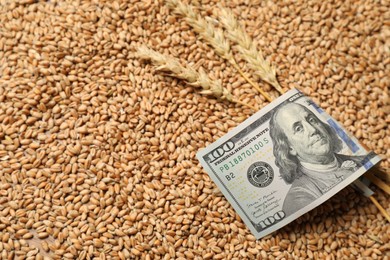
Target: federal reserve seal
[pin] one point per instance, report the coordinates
(260, 174)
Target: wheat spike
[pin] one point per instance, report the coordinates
(190, 75)
(247, 48)
(212, 35)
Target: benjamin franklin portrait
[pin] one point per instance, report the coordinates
(307, 155)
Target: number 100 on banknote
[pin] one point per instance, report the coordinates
(283, 161)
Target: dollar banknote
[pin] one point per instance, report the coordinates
(283, 161)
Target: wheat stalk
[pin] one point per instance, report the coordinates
(212, 35)
(247, 48)
(190, 75)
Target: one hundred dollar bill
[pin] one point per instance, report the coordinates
(283, 161)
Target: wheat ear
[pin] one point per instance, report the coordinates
(247, 48)
(190, 75)
(212, 35)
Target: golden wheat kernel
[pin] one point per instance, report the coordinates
(83, 122)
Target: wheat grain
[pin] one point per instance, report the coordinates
(62, 75)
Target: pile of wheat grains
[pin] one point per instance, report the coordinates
(97, 149)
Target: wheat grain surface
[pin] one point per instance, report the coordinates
(97, 148)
